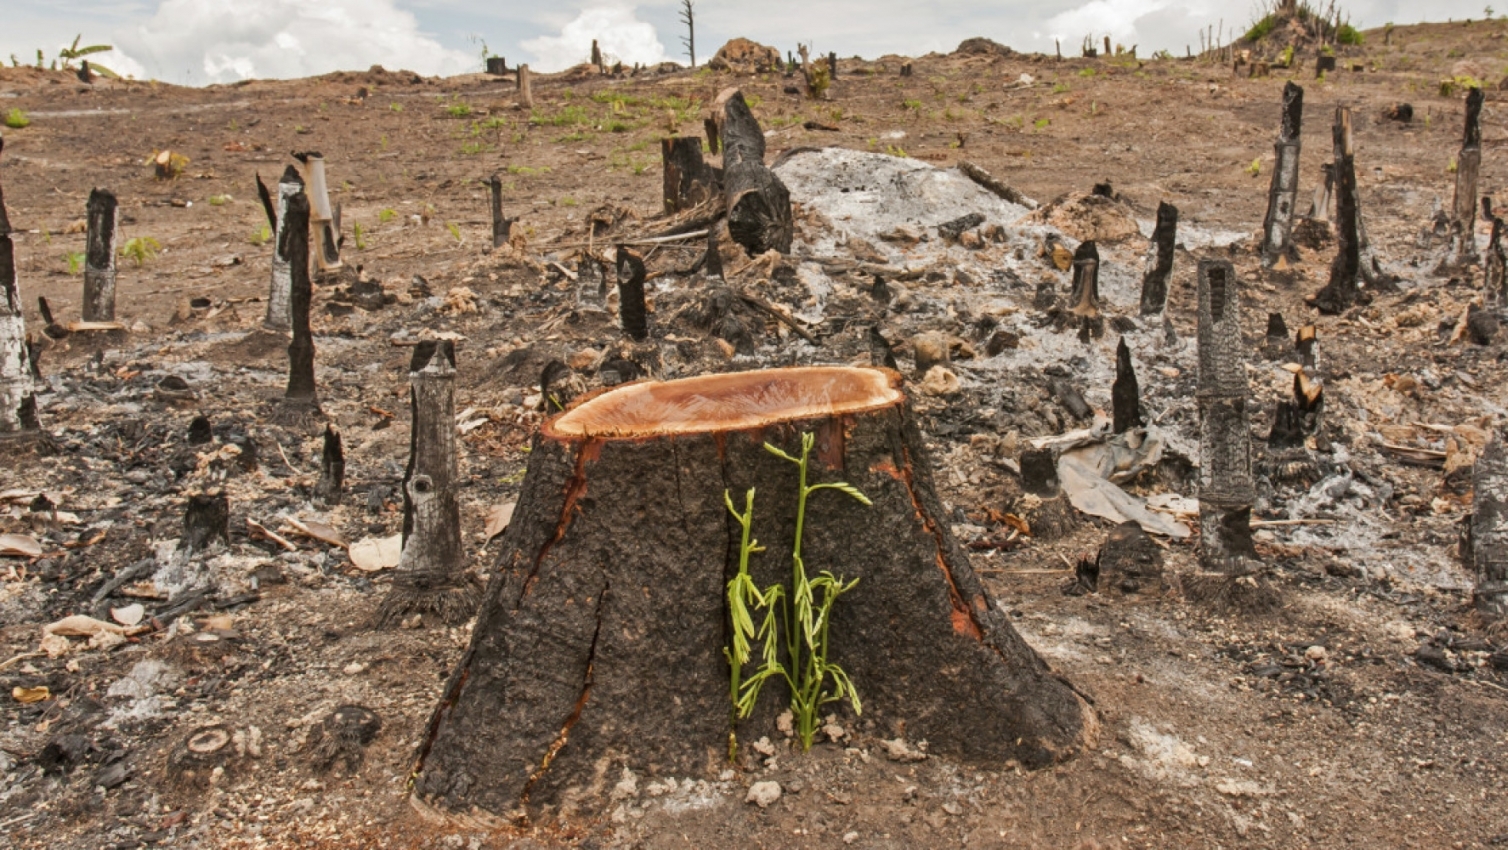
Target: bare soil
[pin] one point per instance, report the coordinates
(1295, 715)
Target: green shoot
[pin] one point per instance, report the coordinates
(455, 231)
(261, 236)
(360, 236)
(140, 249)
(16, 119)
(1255, 168)
(386, 216)
(75, 261)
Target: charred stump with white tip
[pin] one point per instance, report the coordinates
(758, 204)
(1282, 195)
(18, 400)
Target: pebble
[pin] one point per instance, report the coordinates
(762, 794)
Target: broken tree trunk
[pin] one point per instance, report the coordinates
(279, 292)
(632, 312)
(688, 180)
(1159, 273)
(525, 87)
(1463, 242)
(18, 401)
(502, 228)
(332, 470)
(1277, 227)
(1494, 261)
(324, 219)
(1340, 293)
(1226, 488)
(600, 644)
(99, 257)
(301, 400)
(431, 575)
(1125, 394)
(759, 205)
(1084, 297)
(1487, 542)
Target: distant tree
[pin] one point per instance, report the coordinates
(689, 19)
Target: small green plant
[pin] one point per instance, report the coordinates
(1042, 123)
(1285, 59)
(1255, 168)
(139, 249)
(396, 107)
(455, 230)
(1452, 167)
(912, 104)
(474, 148)
(897, 151)
(75, 261)
(1087, 72)
(16, 119)
(801, 615)
(1347, 34)
(360, 236)
(219, 200)
(1261, 29)
(386, 216)
(261, 236)
(1060, 88)
(568, 201)
(459, 109)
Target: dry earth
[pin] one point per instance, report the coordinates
(1313, 724)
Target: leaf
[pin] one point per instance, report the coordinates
(23, 545)
(498, 518)
(318, 531)
(376, 553)
(26, 696)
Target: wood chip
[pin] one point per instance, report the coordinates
(23, 545)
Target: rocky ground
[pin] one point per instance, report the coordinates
(1351, 698)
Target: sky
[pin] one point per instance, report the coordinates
(198, 42)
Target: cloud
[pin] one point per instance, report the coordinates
(621, 35)
(219, 41)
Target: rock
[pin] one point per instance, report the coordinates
(940, 380)
(930, 349)
(978, 46)
(742, 56)
(971, 240)
(898, 750)
(763, 794)
(1315, 653)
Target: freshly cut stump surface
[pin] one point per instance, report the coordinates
(599, 644)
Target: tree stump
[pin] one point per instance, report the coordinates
(1339, 295)
(1159, 272)
(1486, 549)
(323, 218)
(688, 180)
(281, 286)
(1277, 227)
(600, 642)
(1226, 488)
(18, 401)
(299, 406)
(99, 257)
(1463, 247)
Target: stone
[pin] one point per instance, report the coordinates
(763, 794)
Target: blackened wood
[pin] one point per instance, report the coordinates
(497, 66)
(206, 520)
(688, 180)
(880, 352)
(1084, 296)
(332, 470)
(1226, 488)
(1276, 327)
(49, 324)
(712, 263)
(99, 257)
(758, 204)
(593, 642)
(324, 219)
(502, 228)
(631, 309)
(301, 388)
(1130, 559)
(280, 290)
(1071, 399)
(1322, 65)
(1486, 552)
(1494, 260)
(1125, 394)
(200, 432)
(1039, 472)
(832, 65)
(18, 404)
(1306, 341)
(709, 126)
(431, 576)
(951, 230)
(994, 185)
(1340, 293)
(1297, 417)
(1277, 227)
(1159, 273)
(1463, 248)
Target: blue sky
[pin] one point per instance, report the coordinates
(202, 41)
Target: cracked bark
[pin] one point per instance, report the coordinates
(300, 402)
(759, 205)
(625, 492)
(1159, 273)
(1226, 488)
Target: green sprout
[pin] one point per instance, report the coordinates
(140, 249)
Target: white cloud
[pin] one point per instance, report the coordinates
(620, 35)
(219, 41)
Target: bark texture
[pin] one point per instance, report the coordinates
(688, 180)
(431, 575)
(1463, 248)
(1487, 549)
(759, 205)
(502, 227)
(1159, 273)
(1277, 227)
(99, 257)
(18, 401)
(1340, 293)
(301, 393)
(279, 293)
(1494, 261)
(332, 470)
(631, 308)
(600, 642)
(1226, 488)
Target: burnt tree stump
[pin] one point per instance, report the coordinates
(1277, 227)
(600, 642)
(632, 310)
(300, 402)
(1494, 261)
(502, 227)
(324, 218)
(332, 470)
(279, 314)
(1486, 549)
(103, 215)
(1084, 296)
(688, 180)
(431, 575)
(1226, 488)
(1125, 393)
(18, 400)
(1463, 225)
(758, 204)
(1340, 293)
(1159, 273)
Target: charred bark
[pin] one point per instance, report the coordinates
(600, 643)
(1463, 245)
(502, 228)
(324, 219)
(99, 257)
(1339, 295)
(279, 293)
(1226, 488)
(1159, 273)
(206, 519)
(332, 470)
(632, 311)
(18, 401)
(688, 180)
(759, 205)
(1125, 394)
(1486, 551)
(1084, 297)
(431, 576)
(1494, 261)
(301, 400)
(1277, 227)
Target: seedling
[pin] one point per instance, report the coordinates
(455, 231)
(75, 261)
(16, 119)
(1255, 168)
(140, 249)
(360, 236)
(219, 200)
(261, 236)
(386, 216)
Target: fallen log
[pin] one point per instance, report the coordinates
(758, 204)
(600, 644)
(989, 182)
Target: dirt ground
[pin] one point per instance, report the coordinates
(1361, 707)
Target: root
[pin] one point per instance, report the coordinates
(452, 605)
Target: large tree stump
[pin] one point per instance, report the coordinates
(759, 205)
(1277, 227)
(1226, 488)
(99, 257)
(18, 400)
(599, 645)
(1463, 226)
